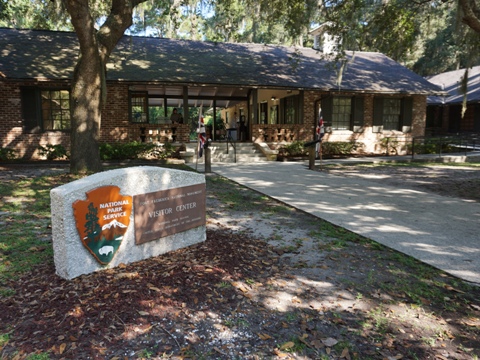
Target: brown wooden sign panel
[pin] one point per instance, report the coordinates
(168, 212)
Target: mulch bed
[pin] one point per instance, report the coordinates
(168, 304)
(211, 301)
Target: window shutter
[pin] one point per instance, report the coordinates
(327, 112)
(358, 111)
(377, 115)
(407, 114)
(30, 110)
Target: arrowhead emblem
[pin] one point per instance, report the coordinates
(102, 220)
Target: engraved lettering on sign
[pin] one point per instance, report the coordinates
(168, 212)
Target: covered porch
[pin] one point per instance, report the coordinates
(246, 114)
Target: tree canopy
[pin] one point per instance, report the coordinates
(428, 36)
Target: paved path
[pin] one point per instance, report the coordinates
(441, 231)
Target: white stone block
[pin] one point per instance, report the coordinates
(73, 259)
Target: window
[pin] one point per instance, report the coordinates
(139, 107)
(263, 113)
(45, 109)
(273, 114)
(342, 112)
(392, 114)
(290, 110)
(55, 109)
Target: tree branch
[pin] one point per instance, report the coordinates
(471, 14)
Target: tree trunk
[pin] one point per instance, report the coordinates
(89, 83)
(86, 115)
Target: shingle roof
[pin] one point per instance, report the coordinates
(46, 54)
(451, 80)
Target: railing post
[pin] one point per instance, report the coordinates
(413, 147)
(208, 160)
(311, 158)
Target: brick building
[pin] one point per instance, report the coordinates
(444, 113)
(274, 92)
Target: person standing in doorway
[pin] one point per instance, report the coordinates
(176, 118)
(232, 127)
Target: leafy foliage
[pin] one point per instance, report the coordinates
(136, 150)
(428, 36)
(122, 151)
(295, 148)
(7, 154)
(53, 152)
(340, 148)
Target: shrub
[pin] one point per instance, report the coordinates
(7, 154)
(295, 148)
(340, 148)
(389, 145)
(435, 145)
(136, 150)
(165, 151)
(123, 151)
(52, 152)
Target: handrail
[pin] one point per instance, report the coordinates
(230, 140)
(445, 144)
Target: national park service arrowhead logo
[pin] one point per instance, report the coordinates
(102, 221)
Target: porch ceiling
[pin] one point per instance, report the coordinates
(197, 95)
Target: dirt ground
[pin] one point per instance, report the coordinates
(454, 181)
(253, 290)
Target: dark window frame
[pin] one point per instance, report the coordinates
(58, 117)
(34, 112)
(356, 120)
(405, 118)
(273, 117)
(141, 116)
(263, 113)
(292, 102)
(340, 110)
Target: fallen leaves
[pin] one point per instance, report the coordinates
(264, 336)
(199, 300)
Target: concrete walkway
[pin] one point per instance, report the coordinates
(441, 231)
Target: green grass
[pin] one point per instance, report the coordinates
(25, 241)
(42, 356)
(233, 195)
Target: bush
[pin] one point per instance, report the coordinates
(136, 150)
(434, 146)
(340, 148)
(123, 151)
(52, 152)
(165, 151)
(295, 148)
(7, 154)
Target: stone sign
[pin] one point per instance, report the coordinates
(125, 215)
(167, 212)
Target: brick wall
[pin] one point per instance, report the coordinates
(115, 124)
(275, 133)
(117, 127)
(12, 134)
